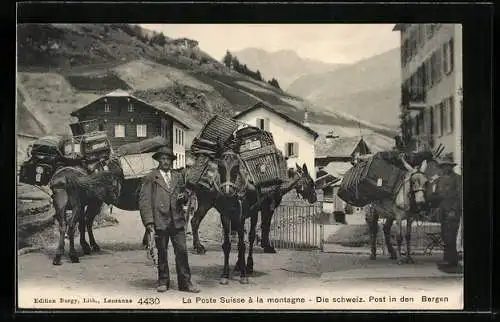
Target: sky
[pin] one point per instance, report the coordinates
(331, 43)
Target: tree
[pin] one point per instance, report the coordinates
(228, 59)
(274, 82)
(259, 76)
(236, 64)
(159, 39)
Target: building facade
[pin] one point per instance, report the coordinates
(294, 139)
(431, 69)
(128, 119)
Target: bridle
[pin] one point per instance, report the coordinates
(422, 188)
(301, 184)
(238, 190)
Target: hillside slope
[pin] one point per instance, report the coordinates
(369, 89)
(285, 65)
(64, 67)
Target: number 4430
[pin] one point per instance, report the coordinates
(149, 301)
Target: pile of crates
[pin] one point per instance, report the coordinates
(88, 143)
(369, 180)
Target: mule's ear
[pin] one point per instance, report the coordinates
(304, 167)
(298, 166)
(423, 166)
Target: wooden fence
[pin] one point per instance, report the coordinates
(297, 225)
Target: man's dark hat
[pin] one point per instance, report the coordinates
(164, 150)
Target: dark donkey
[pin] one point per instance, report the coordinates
(74, 189)
(231, 200)
(298, 179)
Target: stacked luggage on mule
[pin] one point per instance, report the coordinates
(378, 176)
(264, 163)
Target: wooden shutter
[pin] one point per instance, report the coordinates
(296, 148)
(266, 124)
(452, 113)
(450, 49)
(285, 150)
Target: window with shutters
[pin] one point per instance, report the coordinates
(450, 114)
(119, 131)
(431, 120)
(107, 108)
(292, 149)
(446, 116)
(130, 107)
(448, 57)
(441, 118)
(437, 120)
(439, 65)
(141, 130)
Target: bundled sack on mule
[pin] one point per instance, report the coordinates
(265, 164)
(143, 146)
(201, 173)
(136, 160)
(371, 179)
(218, 131)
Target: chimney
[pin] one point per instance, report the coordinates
(306, 117)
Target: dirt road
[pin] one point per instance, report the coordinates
(122, 271)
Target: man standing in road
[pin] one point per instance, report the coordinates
(160, 204)
(447, 197)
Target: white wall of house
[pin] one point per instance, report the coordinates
(178, 147)
(283, 133)
(450, 135)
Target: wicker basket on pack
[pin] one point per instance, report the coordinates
(264, 162)
(201, 173)
(202, 146)
(370, 180)
(218, 130)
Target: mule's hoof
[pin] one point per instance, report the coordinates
(409, 260)
(269, 250)
(400, 262)
(373, 257)
(200, 250)
(96, 248)
(249, 269)
(57, 260)
(74, 259)
(224, 281)
(244, 280)
(86, 250)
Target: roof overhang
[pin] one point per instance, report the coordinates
(417, 106)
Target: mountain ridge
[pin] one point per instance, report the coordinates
(64, 67)
(371, 87)
(285, 65)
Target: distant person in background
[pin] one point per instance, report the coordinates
(446, 198)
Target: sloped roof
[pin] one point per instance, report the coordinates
(279, 113)
(345, 146)
(164, 108)
(341, 146)
(337, 169)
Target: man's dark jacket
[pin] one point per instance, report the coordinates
(159, 203)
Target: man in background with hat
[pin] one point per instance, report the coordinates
(160, 204)
(447, 198)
